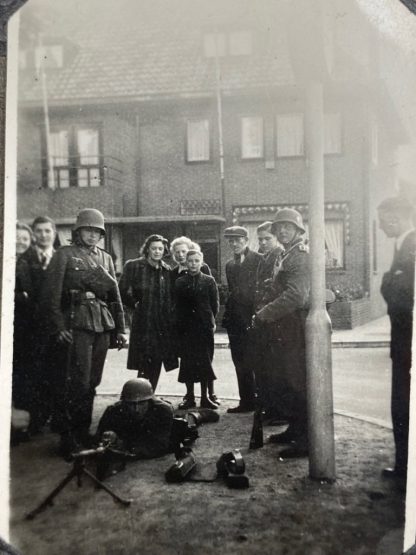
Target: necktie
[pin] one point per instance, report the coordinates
(43, 260)
(237, 259)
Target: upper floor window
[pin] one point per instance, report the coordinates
(332, 134)
(235, 43)
(252, 137)
(290, 135)
(197, 141)
(75, 157)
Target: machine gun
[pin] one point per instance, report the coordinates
(79, 470)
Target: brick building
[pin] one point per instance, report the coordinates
(141, 96)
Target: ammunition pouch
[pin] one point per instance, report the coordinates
(99, 281)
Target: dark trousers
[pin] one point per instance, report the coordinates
(239, 344)
(400, 401)
(80, 374)
(151, 370)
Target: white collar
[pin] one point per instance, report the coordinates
(48, 252)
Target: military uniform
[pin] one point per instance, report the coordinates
(284, 312)
(83, 278)
(146, 436)
(398, 291)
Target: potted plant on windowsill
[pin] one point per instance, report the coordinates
(351, 307)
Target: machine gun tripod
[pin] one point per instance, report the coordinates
(78, 471)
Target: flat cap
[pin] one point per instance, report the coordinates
(236, 231)
(396, 204)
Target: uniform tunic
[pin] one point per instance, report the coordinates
(147, 290)
(197, 304)
(398, 291)
(148, 435)
(86, 278)
(285, 310)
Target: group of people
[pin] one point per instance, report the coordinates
(69, 310)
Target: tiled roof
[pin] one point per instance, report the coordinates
(158, 50)
(128, 49)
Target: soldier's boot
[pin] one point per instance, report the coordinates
(68, 445)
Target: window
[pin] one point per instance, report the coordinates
(50, 56)
(74, 153)
(252, 137)
(290, 135)
(197, 141)
(332, 134)
(334, 242)
(240, 43)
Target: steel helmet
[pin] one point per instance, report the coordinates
(90, 217)
(289, 215)
(137, 389)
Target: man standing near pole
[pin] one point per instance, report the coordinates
(286, 312)
(395, 219)
(241, 274)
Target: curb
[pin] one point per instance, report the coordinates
(336, 345)
(346, 414)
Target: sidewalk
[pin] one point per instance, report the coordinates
(373, 334)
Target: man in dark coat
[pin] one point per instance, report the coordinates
(239, 309)
(142, 422)
(395, 219)
(79, 291)
(285, 311)
(261, 336)
(37, 258)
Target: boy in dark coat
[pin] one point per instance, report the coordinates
(197, 304)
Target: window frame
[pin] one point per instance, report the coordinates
(263, 138)
(341, 134)
(276, 135)
(210, 149)
(74, 156)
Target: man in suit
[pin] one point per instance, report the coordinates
(37, 259)
(395, 219)
(239, 309)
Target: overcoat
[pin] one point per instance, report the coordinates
(397, 289)
(285, 310)
(148, 291)
(197, 304)
(241, 279)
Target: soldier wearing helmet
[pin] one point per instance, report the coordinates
(142, 422)
(80, 290)
(282, 314)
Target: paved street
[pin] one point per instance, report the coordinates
(361, 380)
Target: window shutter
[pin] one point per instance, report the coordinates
(197, 140)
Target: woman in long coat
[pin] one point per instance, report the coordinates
(146, 288)
(196, 296)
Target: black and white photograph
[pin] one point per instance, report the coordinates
(208, 273)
